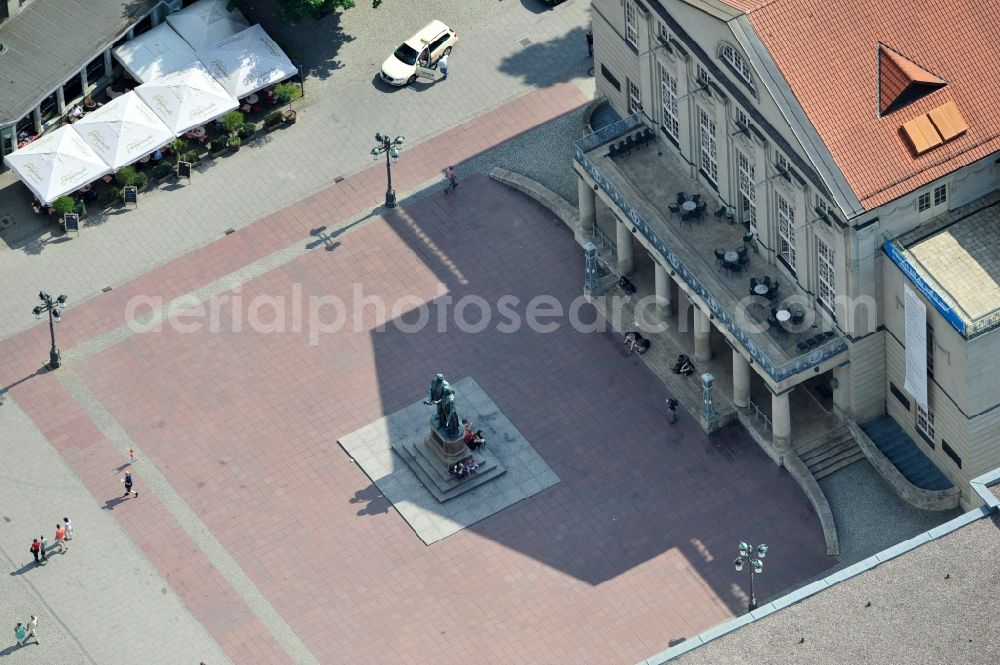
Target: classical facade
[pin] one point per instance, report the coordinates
(855, 158)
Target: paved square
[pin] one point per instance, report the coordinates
(277, 542)
(526, 473)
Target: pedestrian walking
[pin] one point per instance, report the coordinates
(21, 633)
(69, 528)
(128, 485)
(61, 538)
(35, 547)
(443, 66)
(131, 455)
(671, 411)
(33, 628)
(449, 175)
(43, 547)
(590, 43)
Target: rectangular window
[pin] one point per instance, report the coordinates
(631, 23)
(924, 202)
(781, 162)
(925, 425)
(821, 205)
(951, 453)
(72, 90)
(940, 194)
(742, 119)
(611, 78)
(825, 292)
(748, 193)
(706, 133)
(48, 107)
(702, 75)
(95, 69)
(930, 352)
(663, 36)
(898, 394)
(634, 97)
(786, 233)
(668, 98)
(145, 25)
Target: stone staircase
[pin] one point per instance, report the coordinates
(905, 455)
(830, 452)
(436, 478)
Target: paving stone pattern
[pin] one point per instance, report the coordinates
(635, 542)
(376, 449)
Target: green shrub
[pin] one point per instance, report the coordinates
(232, 122)
(287, 92)
(140, 180)
(64, 204)
(217, 144)
(126, 176)
(80, 208)
(109, 196)
(233, 142)
(178, 145)
(162, 170)
(191, 156)
(272, 118)
(247, 130)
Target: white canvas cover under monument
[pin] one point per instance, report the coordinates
(207, 22)
(58, 163)
(155, 54)
(247, 62)
(187, 99)
(123, 130)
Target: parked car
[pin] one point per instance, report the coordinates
(425, 47)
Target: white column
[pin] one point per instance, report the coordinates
(663, 295)
(587, 201)
(702, 336)
(626, 253)
(781, 423)
(741, 380)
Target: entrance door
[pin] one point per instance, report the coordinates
(747, 196)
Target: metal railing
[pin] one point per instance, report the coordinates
(604, 240)
(777, 372)
(760, 415)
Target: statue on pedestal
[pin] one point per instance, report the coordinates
(442, 395)
(436, 391)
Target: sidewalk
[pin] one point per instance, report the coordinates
(102, 602)
(332, 138)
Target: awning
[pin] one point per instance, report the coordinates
(247, 62)
(58, 163)
(186, 99)
(155, 54)
(207, 22)
(123, 130)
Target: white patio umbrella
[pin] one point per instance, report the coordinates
(207, 22)
(58, 163)
(154, 54)
(186, 99)
(123, 130)
(247, 62)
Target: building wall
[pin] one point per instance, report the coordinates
(866, 378)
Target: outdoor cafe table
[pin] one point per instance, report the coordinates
(783, 315)
(689, 206)
(761, 289)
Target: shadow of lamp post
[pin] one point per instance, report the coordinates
(390, 147)
(53, 307)
(756, 566)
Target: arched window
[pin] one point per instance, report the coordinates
(737, 63)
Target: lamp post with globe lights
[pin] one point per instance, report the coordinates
(53, 307)
(755, 557)
(389, 147)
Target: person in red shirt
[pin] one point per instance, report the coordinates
(467, 438)
(36, 547)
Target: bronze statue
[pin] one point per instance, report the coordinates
(447, 416)
(437, 389)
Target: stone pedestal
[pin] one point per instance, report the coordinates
(448, 450)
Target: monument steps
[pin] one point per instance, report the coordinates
(436, 479)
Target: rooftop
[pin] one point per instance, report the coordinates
(950, 41)
(48, 41)
(959, 256)
(929, 605)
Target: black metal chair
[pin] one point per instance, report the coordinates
(720, 214)
(613, 151)
(648, 135)
(766, 281)
(631, 142)
(696, 198)
(798, 318)
(829, 334)
(742, 253)
(623, 148)
(720, 258)
(686, 217)
(675, 209)
(802, 346)
(681, 198)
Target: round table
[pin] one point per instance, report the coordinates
(731, 257)
(783, 315)
(689, 206)
(198, 132)
(761, 289)
(252, 99)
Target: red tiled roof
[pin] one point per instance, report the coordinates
(829, 54)
(901, 81)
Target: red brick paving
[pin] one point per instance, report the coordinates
(631, 549)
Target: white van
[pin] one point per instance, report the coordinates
(425, 47)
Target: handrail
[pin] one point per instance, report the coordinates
(605, 240)
(777, 372)
(761, 416)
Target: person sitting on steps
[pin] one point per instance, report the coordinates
(458, 470)
(625, 285)
(636, 342)
(683, 366)
(478, 440)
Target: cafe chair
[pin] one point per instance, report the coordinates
(675, 209)
(720, 257)
(720, 214)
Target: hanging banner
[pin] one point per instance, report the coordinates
(915, 339)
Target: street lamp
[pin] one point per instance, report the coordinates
(53, 307)
(756, 566)
(383, 144)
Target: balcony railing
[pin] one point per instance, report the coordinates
(726, 318)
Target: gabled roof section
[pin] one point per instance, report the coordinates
(902, 81)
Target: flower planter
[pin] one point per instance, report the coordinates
(289, 117)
